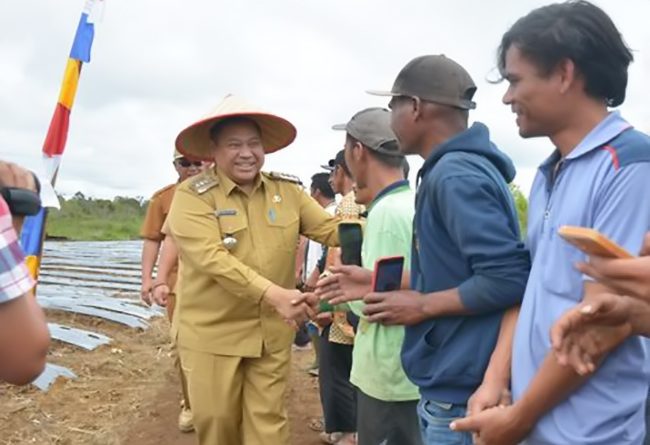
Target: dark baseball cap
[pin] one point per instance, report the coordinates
(339, 159)
(371, 127)
(435, 79)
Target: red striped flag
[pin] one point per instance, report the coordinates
(34, 228)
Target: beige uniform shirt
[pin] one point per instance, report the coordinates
(152, 226)
(221, 308)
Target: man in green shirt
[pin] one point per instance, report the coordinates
(386, 399)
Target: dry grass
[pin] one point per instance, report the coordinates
(126, 393)
(107, 397)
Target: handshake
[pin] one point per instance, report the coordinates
(292, 305)
(343, 284)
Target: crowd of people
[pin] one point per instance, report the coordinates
(492, 339)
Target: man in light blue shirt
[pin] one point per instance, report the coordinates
(590, 191)
(566, 64)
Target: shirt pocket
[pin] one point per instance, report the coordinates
(560, 276)
(284, 229)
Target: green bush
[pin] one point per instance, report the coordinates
(84, 218)
(522, 208)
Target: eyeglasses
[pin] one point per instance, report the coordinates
(186, 163)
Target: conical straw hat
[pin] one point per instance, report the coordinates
(195, 141)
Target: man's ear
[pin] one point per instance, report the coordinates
(357, 151)
(567, 74)
(417, 108)
(364, 153)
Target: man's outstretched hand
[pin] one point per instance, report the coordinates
(586, 333)
(293, 306)
(344, 284)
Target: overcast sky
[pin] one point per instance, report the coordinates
(159, 65)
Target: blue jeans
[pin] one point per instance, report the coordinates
(435, 418)
(647, 421)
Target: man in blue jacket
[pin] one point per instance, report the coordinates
(469, 265)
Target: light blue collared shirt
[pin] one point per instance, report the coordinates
(604, 183)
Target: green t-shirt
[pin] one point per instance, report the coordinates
(376, 362)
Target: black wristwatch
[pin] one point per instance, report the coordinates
(22, 202)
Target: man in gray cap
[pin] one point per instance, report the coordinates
(469, 266)
(386, 399)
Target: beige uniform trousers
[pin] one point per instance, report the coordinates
(238, 400)
(171, 304)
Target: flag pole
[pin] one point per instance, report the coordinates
(33, 234)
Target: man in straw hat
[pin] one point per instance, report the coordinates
(237, 230)
(152, 233)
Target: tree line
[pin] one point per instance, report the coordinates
(86, 218)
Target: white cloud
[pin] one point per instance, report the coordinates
(157, 66)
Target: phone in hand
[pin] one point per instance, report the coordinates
(351, 239)
(387, 275)
(324, 305)
(592, 242)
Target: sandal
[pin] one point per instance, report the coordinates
(330, 438)
(316, 425)
(348, 439)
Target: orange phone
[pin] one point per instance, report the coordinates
(592, 242)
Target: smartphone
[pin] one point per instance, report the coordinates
(592, 242)
(323, 305)
(351, 238)
(388, 274)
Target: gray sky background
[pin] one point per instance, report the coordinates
(159, 65)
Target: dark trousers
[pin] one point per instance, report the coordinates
(387, 423)
(302, 336)
(337, 394)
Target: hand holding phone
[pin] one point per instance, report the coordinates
(324, 305)
(592, 242)
(351, 239)
(388, 274)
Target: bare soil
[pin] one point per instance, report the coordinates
(126, 393)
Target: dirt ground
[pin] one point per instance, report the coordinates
(126, 393)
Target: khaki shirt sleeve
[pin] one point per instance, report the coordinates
(195, 229)
(153, 221)
(316, 223)
(165, 228)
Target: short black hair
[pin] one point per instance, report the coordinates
(320, 182)
(217, 128)
(394, 161)
(339, 160)
(581, 32)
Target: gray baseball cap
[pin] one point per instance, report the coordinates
(435, 79)
(371, 127)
